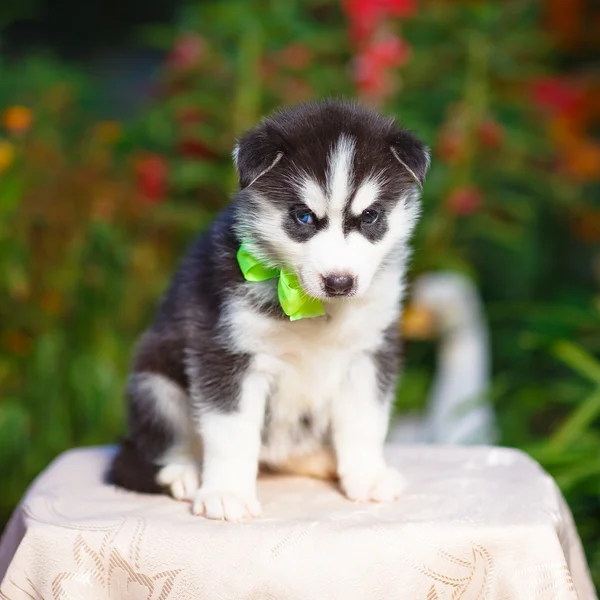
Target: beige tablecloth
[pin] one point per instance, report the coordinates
(474, 524)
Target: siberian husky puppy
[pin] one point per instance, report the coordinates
(276, 344)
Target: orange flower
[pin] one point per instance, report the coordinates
(17, 119)
(7, 155)
(563, 132)
(583, 161)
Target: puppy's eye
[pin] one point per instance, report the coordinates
(369, 216)
(304, 216)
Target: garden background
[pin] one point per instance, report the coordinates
(117, 124)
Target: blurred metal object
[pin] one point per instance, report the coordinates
(447, 305)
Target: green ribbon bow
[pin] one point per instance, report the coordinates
(292, 298)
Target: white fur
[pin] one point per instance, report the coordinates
(168, 399)
(181, 475)
(269, 219)
(310, 362)
(231, 444)
(339, 174)
(365, 196)
(313, 196)
(331, 252)
(360, 422)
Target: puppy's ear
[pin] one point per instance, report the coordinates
(256, 153)
(411, 153)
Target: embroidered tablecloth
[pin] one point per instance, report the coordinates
(474, 523)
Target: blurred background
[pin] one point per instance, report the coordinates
(117, 120)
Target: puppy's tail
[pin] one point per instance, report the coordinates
(131, 470)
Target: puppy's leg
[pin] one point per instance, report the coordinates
(359, 423)
(231, 442)
(157, 452)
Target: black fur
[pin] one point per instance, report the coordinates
(134, 466)
(185, 334)
(387, 362)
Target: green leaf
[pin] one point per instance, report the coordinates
(578, 422)
(578, 359)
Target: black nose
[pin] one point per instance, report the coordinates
(338, 285)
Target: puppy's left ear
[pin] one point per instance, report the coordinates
(412, 154)
(256, 153)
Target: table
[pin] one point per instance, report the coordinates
(475, 523)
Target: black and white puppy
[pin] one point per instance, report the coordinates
(224, 381)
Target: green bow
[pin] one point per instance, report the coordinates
(292, 298)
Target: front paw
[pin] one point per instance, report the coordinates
(180, 477)
(225, 505)
(381, 485)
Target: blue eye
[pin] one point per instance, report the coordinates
(304, 216)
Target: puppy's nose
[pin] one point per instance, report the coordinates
(338, 285)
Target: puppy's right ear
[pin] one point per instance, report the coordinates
(256, 153)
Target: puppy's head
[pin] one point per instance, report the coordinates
(329, 190)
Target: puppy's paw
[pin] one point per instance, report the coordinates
(181, 478)
(225, 505)
(383, 485)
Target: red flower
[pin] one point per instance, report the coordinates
(372, 64)
(194, 148)
(365, 15)
(464, 201)
(557, 96)
(391, 51)
(151, 172)
(369, 75)
(187, 52)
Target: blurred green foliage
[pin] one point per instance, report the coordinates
(94, 215)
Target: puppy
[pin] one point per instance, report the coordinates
(277, 342)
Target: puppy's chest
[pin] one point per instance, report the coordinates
(307, 363)
(298, 416)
